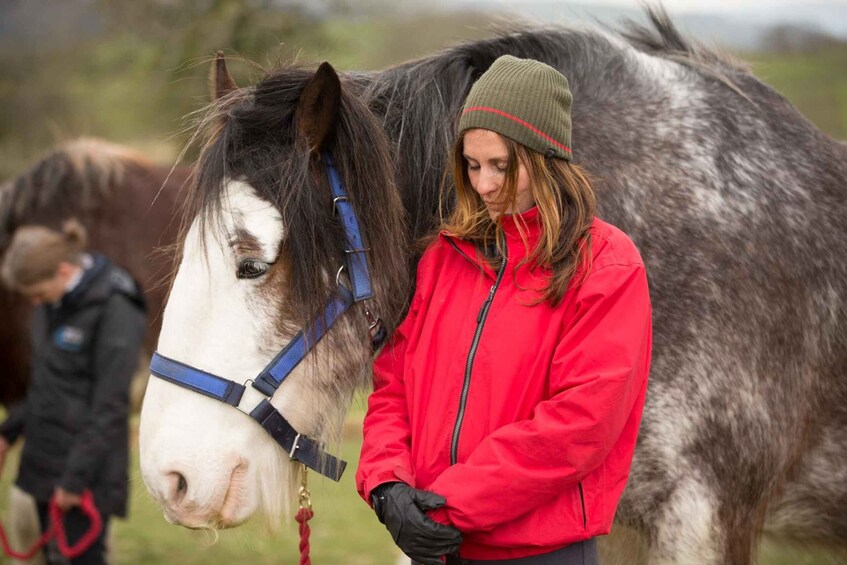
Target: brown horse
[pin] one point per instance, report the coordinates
(126, 203)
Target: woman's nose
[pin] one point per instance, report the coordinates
(488, 183)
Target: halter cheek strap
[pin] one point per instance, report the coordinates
(254, 400)
(356, 260)
(256, 405)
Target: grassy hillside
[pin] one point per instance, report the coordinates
(815, 82)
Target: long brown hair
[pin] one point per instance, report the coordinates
(36, 251)
(565, 199)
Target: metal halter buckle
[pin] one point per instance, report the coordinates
(295, 446)
(338, 276)
(372, 321)
(336, 200)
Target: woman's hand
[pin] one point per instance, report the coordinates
(66, 500)
(402, 509)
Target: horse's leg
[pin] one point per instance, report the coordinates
(683, 525)
(671, 499)
(687, 529)
(683, 514)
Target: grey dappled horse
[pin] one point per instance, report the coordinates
(735, 200)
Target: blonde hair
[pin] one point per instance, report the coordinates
(35, 253)
(566, 206)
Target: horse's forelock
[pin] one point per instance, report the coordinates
(253, 139)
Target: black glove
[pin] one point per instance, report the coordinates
(402, 509)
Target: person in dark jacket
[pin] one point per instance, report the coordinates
(86, 331)
(506, 406)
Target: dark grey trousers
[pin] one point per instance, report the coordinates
(581, 553)
(76, 524)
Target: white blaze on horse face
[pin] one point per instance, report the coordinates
(206, 462)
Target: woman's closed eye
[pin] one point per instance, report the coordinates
(476, 167)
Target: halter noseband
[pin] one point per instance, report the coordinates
(254, 400)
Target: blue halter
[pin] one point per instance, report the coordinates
(254, 401)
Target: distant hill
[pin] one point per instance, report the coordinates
(45, 24)
(744, 29)
(31, 25)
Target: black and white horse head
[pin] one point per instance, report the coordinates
(261, 260)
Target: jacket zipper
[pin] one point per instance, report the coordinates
(480, 323)
(582, 502)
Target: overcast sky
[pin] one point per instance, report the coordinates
(699, 5)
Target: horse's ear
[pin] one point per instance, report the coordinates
(319, 105)
(220, 80)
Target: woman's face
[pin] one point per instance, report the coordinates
(50, 290)
(486, 161)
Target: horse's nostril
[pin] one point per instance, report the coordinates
(179, 486)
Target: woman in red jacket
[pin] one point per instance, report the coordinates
(506, 407)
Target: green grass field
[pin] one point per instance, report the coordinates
(344, 530)
(815, 82)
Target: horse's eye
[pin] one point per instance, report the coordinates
(251, 268)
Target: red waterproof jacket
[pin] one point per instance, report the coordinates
(523, 417)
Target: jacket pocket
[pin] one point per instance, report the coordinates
(582, 506)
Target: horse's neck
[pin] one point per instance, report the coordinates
(420, 135)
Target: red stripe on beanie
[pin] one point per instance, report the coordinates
(519, 121)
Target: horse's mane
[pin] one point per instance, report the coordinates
(74, 177)
(662, 38)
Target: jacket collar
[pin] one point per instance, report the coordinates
(87, 261)
(522, 232)
(92, 273)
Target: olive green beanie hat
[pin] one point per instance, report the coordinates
(524, 100)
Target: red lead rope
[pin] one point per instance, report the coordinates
(57, 530)
(303, 517)
(29, 554)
